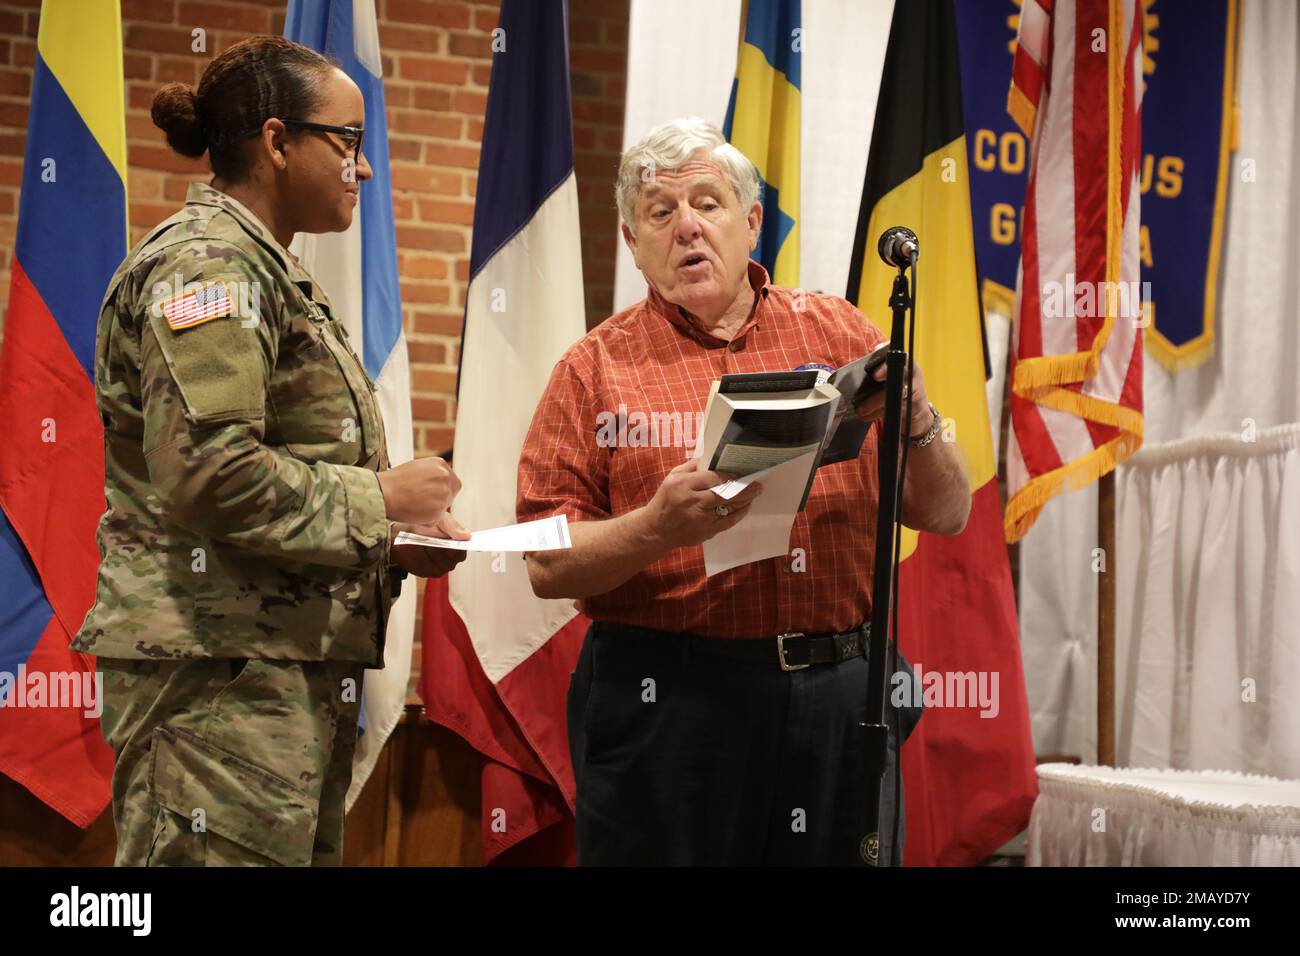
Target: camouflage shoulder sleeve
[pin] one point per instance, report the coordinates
(208, 346)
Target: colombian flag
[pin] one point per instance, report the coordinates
(968, 771)
(72, 234)
(763, 123)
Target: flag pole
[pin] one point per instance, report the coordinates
(1106, 621)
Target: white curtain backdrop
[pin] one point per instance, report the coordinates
(1217, 603)
(1208, 639)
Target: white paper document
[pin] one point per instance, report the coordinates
(545, 534)
(765, 531)
(729, 489)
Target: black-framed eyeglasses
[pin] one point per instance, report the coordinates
(352, 135)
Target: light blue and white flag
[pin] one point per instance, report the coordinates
(358, 270)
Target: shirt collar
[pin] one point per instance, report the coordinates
(687, 323)
(201, 194)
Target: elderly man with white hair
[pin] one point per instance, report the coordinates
(713, 720)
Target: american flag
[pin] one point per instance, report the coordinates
(209, 302)
(1076, 403)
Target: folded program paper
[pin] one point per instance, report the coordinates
(545, 534)
(764, 532)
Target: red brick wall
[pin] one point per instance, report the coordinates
(598, 70)
(437, 63)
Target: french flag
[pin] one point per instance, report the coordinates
(72, 235)
(358, 270)
(496, 659)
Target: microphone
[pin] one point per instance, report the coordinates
(899, 246)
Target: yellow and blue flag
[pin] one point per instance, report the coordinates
(763, 122)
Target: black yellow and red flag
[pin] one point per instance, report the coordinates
(968, 769)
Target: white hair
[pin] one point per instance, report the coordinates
(669, 147)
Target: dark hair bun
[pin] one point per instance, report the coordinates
(174, 113)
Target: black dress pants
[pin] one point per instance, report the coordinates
(683, 757)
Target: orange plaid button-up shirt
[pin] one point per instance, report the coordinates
(642, 379)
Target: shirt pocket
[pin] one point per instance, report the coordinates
(645, 442)
(321, 397)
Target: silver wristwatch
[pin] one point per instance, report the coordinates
(928, 437)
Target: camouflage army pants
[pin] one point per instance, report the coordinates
(230, 762)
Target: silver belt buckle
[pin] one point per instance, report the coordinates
(780, 652)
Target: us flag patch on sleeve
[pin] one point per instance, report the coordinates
(210, 301)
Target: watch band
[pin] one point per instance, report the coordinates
(928, 437)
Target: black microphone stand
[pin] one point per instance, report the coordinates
(875, 731)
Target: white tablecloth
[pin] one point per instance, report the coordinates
(1104, 816)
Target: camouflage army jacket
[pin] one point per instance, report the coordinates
(241, 443)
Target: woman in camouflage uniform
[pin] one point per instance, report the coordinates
(246, 559)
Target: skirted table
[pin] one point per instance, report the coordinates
(1107, 816)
